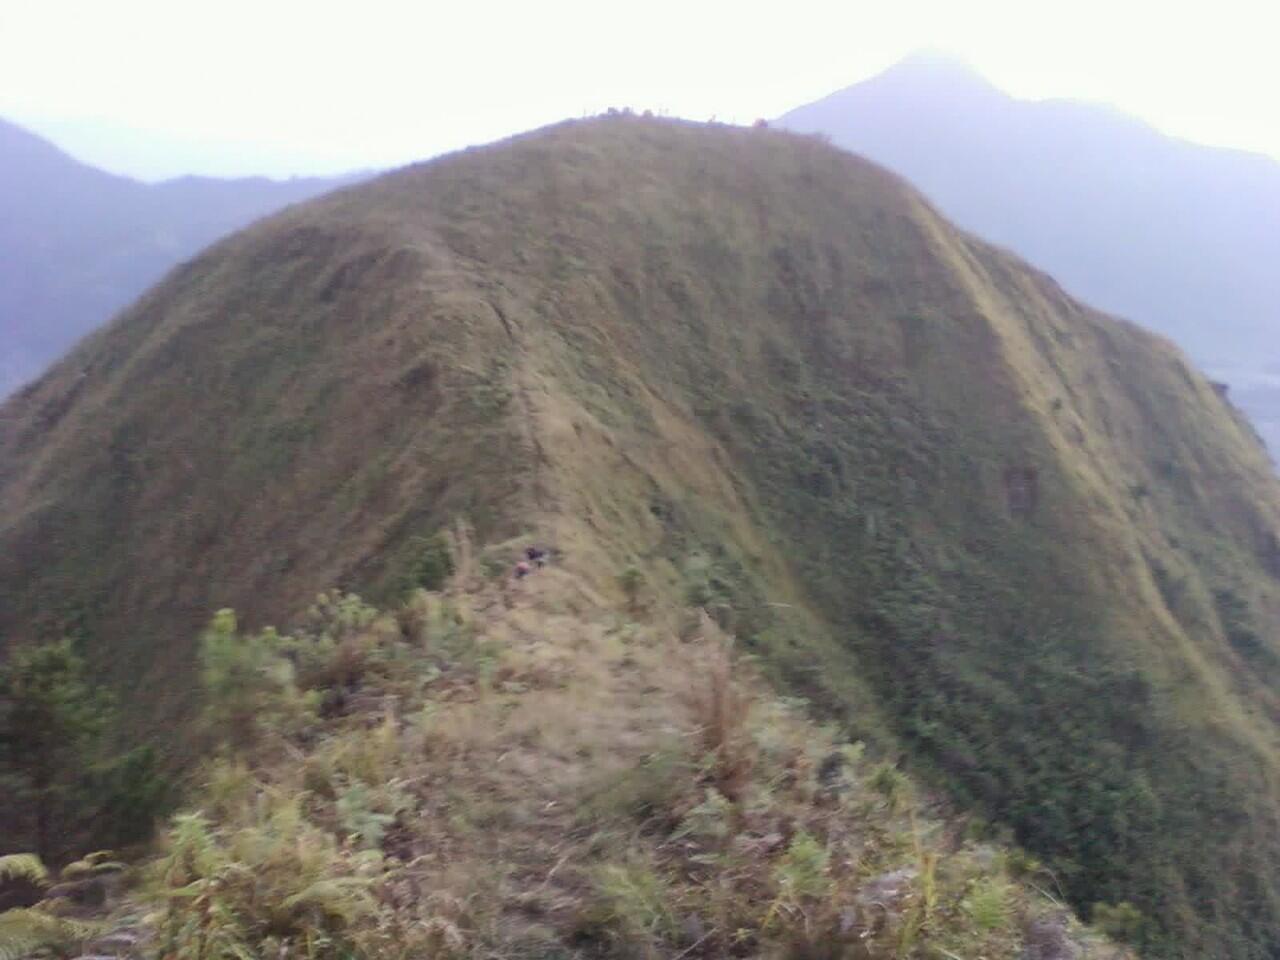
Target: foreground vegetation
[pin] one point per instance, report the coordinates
(64, 783)
(1022, 546)
(523, 772)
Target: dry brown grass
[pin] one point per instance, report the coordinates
(596, 787)
(722, 711)
(603, 787)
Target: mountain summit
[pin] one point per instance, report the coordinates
(928, 71)
(972, 519)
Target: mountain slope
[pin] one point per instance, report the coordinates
(597, 785)
(523, 768)
(78, 244)
(956, 508)
(1175, 236)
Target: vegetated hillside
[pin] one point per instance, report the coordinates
(1177, 236)
(956, 508)
(78, 244)
(527, 768)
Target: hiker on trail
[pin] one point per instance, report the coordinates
(536, 555)
(522, 569)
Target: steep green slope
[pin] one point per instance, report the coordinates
(524, 769)
(1172, 234)
(953, 506)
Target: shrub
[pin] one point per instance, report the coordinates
(892, 784)
(1237, 622)
(335, 644)
(366, 812)
(134, 793)
(1121, 921)
(634, 906)
(650, 791)
(359, 819)
(631, 580)
(709, 821)
(430, 563)
(27, 932)
(701, 588)
(801, 874)
(96, 864)
(237, 673)
(248, 682)
(494, 566)
(23, 866)
(277, 882)
(988, 904)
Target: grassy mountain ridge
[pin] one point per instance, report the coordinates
(955, 507)
(1175, 235)
(523, 768)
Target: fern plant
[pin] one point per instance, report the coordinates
(229, 890)
(358, 817)
(23, 866)
(94, 864)
(26, 931)
(988, 904)
(635, 906)
(802, 872)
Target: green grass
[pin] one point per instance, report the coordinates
(564, 838)
(897, 463)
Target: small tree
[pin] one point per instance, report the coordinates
(430, 563)
(51, 721)
(131, 791)
(243, 675)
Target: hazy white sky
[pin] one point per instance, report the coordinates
(159, 87)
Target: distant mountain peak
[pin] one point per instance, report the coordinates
(934, 67)
(1169, 233)
(936, 60)
(927, 76)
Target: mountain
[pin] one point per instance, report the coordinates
(1176, 236)
(976, 523)
(78, 244)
